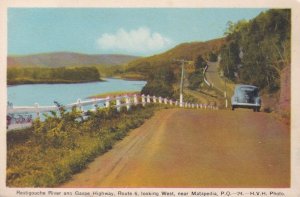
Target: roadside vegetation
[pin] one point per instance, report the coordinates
(33, 75)
(163, 72)
(252, 52)
(115, 93)
(257, 50)
(196, 77)
(160, 83)
(65, 142)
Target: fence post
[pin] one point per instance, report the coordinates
(118, 103)
(154, 99)
(176, 103)
(148, 98)
(79, 104)
(135, 99)
(95, 103)
(193, 106)
(107, 103)
(143, 100)
(127, 102)
(159, 99)
(165, 100)
(171, 102)
(36, 105)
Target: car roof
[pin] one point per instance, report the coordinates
(245, 86)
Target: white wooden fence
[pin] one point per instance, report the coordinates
(117, 102)
(205, 80)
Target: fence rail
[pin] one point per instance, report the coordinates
(22, 116)
(205, 80)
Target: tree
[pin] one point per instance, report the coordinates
(212, 57)
(200, 63)
(158, 88)
(265, 42)
(230, 60)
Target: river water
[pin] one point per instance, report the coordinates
(46, 94)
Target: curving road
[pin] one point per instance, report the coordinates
(214, 78)
(196, 148)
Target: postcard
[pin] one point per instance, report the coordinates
(140, 98)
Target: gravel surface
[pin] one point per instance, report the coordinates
(196, 148)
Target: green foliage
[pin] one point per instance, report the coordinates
(158, 88)
(264, 43)
(188, 51)
(19, 136)
(195, 80)
(64, 143)
(162, 72)
(52, 75)
(57, 131)
(212, 57)
(200, 63)
(160, 83)
(230, 59)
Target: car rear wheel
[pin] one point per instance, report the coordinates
(232, 108)
(256, 109)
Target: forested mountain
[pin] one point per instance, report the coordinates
(30, 75)
(252, 52)
(61, 59)
(257, 50)
(65, 66)
(162, 71)
(187, 51)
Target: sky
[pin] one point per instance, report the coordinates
(131, 31)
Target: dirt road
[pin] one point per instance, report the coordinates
(196, 148)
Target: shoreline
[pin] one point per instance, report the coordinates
(53, 83)
(126, 78)
(104, 79)
(113, 94)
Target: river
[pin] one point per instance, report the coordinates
(46, 94)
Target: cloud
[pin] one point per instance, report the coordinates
(139, 41)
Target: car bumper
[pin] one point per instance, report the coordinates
(245, 105)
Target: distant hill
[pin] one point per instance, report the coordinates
(162, 72)
(187, 51)
(60, 59)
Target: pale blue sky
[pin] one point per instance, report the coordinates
(115, 30)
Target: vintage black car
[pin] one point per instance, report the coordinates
(246, 96)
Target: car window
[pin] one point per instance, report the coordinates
(248, 91)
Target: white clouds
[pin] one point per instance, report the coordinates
(138, 41)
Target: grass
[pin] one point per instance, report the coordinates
(115, 93)
(131, 76)
(53, 150)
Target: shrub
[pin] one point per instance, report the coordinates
(63, 144)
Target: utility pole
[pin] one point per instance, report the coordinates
(225, 94)
(226, 100)
(181, 81)
(223, 76)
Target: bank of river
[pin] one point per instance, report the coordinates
(46, 94)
